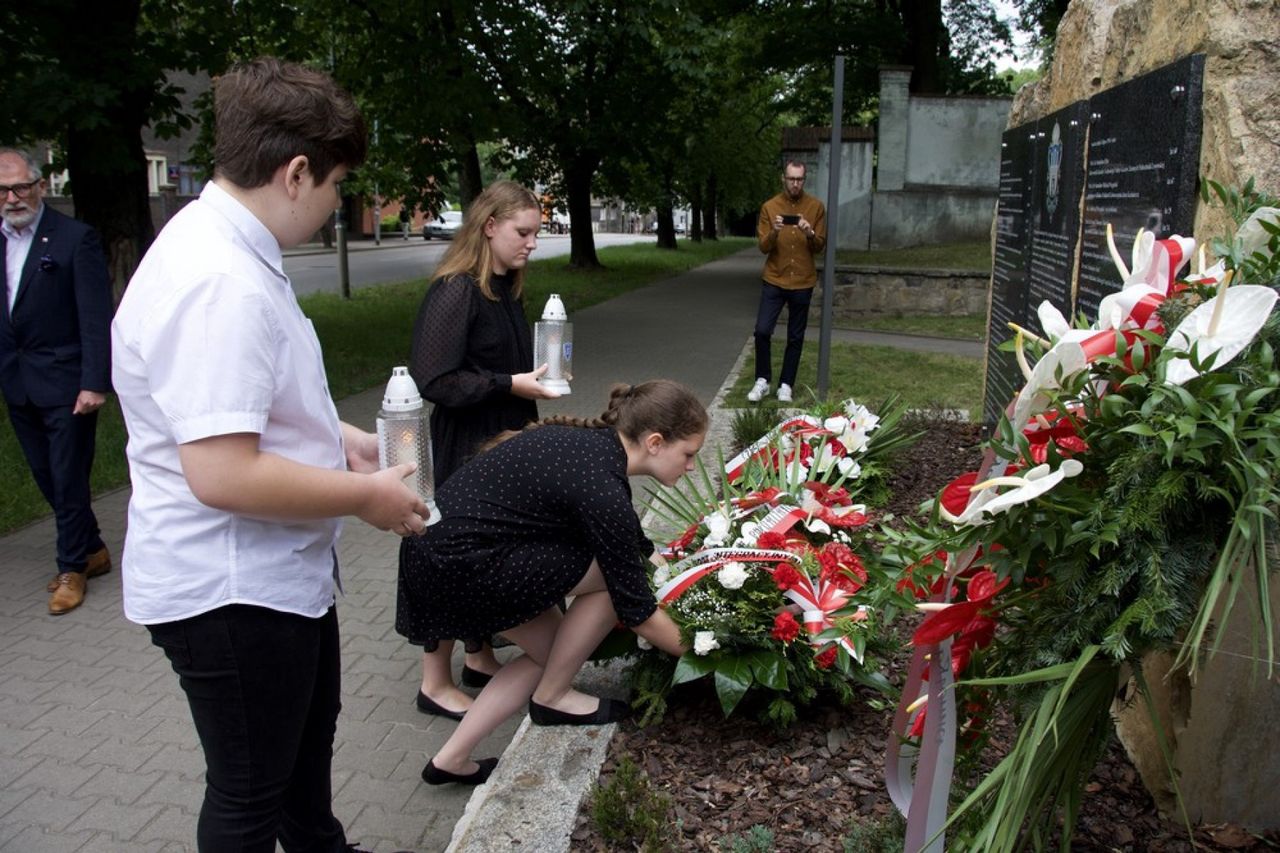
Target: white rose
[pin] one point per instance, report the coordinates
(704, 642)
(717, 530)
(733, 575)
(661, 575)
(749, 534)
(644, 644)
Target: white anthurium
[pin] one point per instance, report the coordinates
(1052, 323)
(1252, 235)
(732, 575)
(1026, 487)
(817, 525)
(972, 513)
(1065, 359)
(1224, 325)
(717, 530)
(704, 642)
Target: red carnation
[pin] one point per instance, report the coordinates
(786, 576)
(826, 659)
(771, 541)
(785, 627)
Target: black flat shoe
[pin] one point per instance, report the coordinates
(610, 711)
(474, 677)
(427, 705)
(433, 775)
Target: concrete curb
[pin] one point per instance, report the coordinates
(531, 800)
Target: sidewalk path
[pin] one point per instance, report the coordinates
(97, 749)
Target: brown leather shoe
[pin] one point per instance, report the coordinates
(70, 593)
(99, 564)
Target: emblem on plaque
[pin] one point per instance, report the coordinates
(1055, 169)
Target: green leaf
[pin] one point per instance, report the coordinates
(733, 679)
(691, 667)
(769, 668)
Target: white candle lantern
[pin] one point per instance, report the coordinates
(553, 346)
(404, 435)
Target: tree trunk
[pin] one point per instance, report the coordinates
(695, 217)
(666, 225)
(106, 161)
(582, 244)
(709, 212)
(469, 181)
(925, 33)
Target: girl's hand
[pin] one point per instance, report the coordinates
(526, 385)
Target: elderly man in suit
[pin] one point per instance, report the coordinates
(54, 361)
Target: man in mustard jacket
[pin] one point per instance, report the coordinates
(792, 229)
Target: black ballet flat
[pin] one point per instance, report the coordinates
(474, 677)
(433, 775)
(427, 705)
(610, 711)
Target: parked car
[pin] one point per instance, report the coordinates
(443, 226)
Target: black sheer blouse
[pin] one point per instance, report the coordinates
(464, 352)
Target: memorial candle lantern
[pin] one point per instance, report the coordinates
(553, 346)
(404, 435)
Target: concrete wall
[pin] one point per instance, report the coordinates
(919, 216)
(955, 142)
(853, 220)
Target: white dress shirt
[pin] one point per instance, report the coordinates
(209, 340)
(16, 248)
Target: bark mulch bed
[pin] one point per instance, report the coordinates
(819, 784)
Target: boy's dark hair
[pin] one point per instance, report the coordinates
(266, 112)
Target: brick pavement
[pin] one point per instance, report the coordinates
(97, 749)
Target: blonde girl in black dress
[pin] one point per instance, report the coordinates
(472, 357)
(547, 514)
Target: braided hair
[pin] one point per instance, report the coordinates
(660, 405)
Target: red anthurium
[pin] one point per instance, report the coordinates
(828, 496)
(685, 538)
(755, 499)
(941, 624)
(955, 495)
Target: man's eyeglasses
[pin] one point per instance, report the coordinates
(799, 180)
(20, 190)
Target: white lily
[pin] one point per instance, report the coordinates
(848, 468)
(704, 642)
(861, 415)
(836, 425)
(1052, 323)
(732, 575)
(1224, 325)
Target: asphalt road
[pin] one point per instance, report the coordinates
(402, 260)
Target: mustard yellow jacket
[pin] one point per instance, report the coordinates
(789, 264)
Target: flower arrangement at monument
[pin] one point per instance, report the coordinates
(1122, 507)
(769, 576)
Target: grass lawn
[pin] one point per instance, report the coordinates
(870, 374)
(969, 327)
(363, 338)
(945, 256)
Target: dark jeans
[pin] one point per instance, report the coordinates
(264, 693)
(59, 448)
(772, 298)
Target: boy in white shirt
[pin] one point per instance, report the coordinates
(240, 466)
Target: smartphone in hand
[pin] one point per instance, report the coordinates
(790, 219)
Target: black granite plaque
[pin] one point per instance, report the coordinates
(1143, 159)
(1009, 266)
(1055, 210)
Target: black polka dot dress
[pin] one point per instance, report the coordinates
(520, 525)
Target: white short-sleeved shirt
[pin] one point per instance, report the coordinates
(209, 340)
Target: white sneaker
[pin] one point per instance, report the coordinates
(758, 391)
(784, 393)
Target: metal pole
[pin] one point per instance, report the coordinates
(344, 272)
(833, 209)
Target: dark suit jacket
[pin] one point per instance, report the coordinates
(57, 341)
